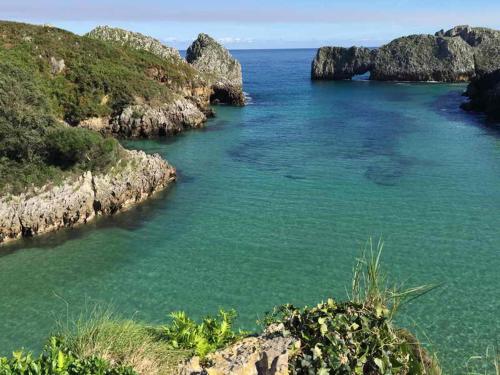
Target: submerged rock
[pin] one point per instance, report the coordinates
(339, 63)
(211, 58)
(133, 40)
(77, 201)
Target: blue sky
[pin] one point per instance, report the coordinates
(259, 23)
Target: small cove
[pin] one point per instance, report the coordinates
(274, 202)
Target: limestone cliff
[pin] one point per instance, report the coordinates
(79, 200)
(211, 58)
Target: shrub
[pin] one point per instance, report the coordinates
(357, 336)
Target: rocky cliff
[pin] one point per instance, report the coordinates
(456, 55)
(211, 58)
(133, 40)
(78, 200)
(484, 95)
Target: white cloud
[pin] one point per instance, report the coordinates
(232, 40)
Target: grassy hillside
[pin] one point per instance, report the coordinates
(50, 78)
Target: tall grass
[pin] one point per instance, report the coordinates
(122, 342)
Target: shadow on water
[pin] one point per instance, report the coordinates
(380, 132)
(130, 220)
(448, 106)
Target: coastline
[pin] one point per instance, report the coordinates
(79, 200)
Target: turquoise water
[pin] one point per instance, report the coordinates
(274, 202)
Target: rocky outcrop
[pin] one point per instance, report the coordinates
(77, 201)
(484, 95)
(457, 55)
(134, 40)
(144, 120)
(337, 63)
(267, 354)
(223, 70)
(424, 58)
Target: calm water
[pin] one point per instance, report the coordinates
(273, 204)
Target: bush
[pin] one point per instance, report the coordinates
(57, 359)
(357, 336)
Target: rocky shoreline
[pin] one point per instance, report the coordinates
(80, 199)
(209, 76)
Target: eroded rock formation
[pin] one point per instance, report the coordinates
(223, 70)
(339, 63)
(79, 200)
(457, 55)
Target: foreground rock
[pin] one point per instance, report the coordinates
(77, 201)
(134, 40)
(144, 120)
(211, 58)
(457, 55)
(267, 354)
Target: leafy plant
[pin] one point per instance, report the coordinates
(211, 334)
(57, 359)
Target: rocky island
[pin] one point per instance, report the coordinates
(461, 54)
(63, 100)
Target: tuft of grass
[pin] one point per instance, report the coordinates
(370, 286)
(122, 343)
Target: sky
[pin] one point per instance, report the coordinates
(251, 24)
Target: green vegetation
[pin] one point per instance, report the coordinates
(211, 334)
(57, 359)
(123, 342)
(49, 76)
